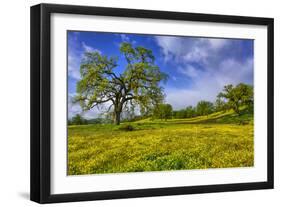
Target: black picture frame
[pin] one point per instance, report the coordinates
(41, 96)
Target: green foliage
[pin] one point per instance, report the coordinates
(137, 85)
(235, 98)
(204, 108)
(163, 111)
(190, 112)
(77, 120)
(220, 105)
(238, 96)
(216, 141)
(185, 113)
(181, 114)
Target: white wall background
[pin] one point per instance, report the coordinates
(14, 104)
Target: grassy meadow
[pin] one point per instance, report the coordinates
(219, 140)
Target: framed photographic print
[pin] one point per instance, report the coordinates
(133, 103)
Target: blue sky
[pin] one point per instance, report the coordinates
(198, 68)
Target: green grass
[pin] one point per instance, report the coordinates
(215, 141)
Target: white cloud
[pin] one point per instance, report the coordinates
(88, 48)
(74, 108)
(75, 55)
(189, 71)
(189, 49)
(73, 66)
(232, 71)
(170, 46)
(181, 98)
(217, 43)
(206, 85)
(196, 55)
(124, 38)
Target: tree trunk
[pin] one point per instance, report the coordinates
(117, 117)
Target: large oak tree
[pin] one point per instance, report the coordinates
(138, 84)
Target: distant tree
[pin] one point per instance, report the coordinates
(163, 111)
(137, 85)
(96, 121)
(69, 122)
(168, 111)
(237, 96)
(220, 105)
(174, 114)
(204, 108)
(180, 114)
(78, 120)
(190, 112)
